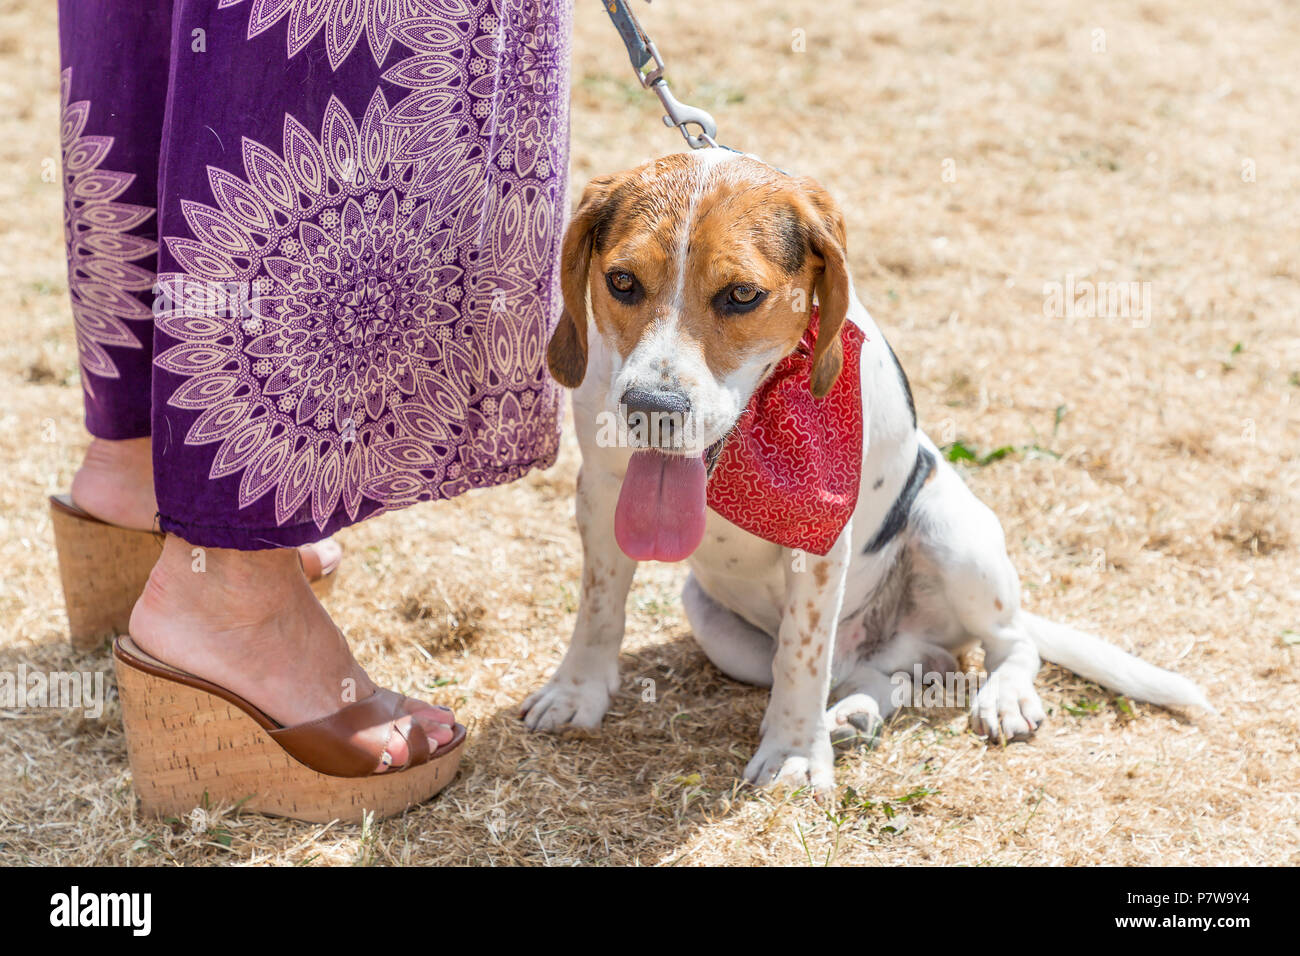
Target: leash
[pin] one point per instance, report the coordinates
(649, 67)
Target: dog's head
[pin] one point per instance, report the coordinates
(701, 269)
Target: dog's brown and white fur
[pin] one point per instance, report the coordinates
(921, 570)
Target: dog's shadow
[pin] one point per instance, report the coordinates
(669, 756)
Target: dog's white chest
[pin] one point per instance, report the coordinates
(742, 572)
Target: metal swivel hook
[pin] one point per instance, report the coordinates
(650, 71)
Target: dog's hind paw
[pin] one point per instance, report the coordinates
(855, 721)
(1007, 708)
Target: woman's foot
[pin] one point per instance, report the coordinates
(250, 623)
(115, 484)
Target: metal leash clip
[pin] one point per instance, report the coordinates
(649, 67)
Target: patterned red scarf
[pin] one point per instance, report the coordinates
(790, 469)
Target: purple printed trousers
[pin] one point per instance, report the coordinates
(313, 249)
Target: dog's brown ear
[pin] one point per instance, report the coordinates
(566, 355)
(826, 237)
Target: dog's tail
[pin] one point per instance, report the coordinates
(1092, 658)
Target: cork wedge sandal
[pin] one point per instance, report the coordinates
(189, 740)
(104, 568)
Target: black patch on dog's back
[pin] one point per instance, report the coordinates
(902, 377)
(896, 520)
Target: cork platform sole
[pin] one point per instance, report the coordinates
(104, 568)
(186, 743)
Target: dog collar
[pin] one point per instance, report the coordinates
(790, 469)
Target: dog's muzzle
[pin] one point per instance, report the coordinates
(661, 414)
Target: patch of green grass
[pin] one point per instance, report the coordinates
(656, 605)
(714, 94)
(959, 451)
(46, 287)
(1083, 707)
(144, 843)
(854, 803)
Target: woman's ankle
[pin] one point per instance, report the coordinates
(115, 482)
(245, 586)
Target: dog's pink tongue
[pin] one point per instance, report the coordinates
(660, 514)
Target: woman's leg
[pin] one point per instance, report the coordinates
(114, 86)
(115, 61)
(248, 621)
(360, 218)
(245, 605)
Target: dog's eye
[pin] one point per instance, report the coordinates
(737, 298)
(623, 285)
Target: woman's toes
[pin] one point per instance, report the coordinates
(396, 752)
(434, 722)
(436, 726)
(435, 712)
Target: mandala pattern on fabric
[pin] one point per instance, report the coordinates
(343, 21)
(362, 317)
(330, 381)
(516, 78)
(510, 410)
(101, 253)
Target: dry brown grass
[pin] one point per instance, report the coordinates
(1168, 522)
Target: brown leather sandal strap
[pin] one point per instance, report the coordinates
(349, 742)
(417, 743)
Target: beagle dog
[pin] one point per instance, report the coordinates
(701, 268)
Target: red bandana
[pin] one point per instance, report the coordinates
(790, 469)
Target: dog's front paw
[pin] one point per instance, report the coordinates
(1007, 708)
(563, 700)
(784, 764)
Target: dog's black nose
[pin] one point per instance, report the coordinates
(648, 401)
(658, 415)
